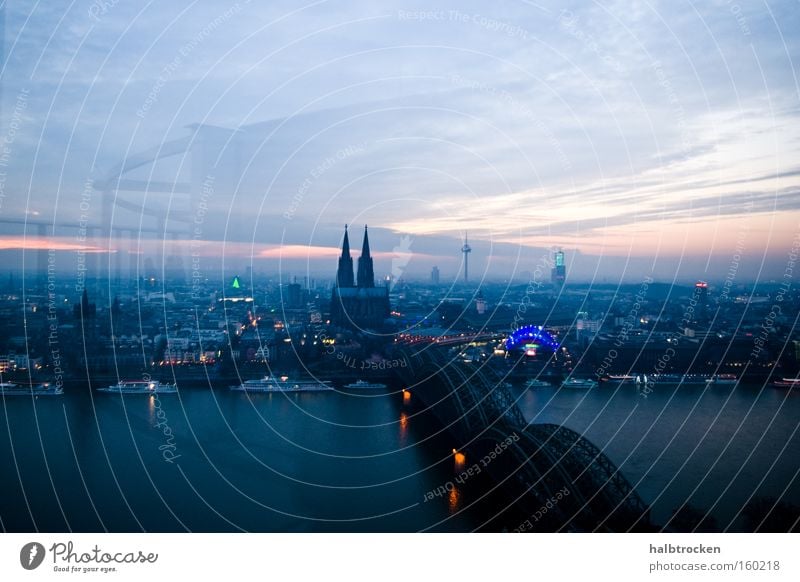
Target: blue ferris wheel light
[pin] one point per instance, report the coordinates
(528, 334)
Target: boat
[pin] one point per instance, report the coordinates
(621, 378)
(44, 389)
(683, 380)
(535, 383)
(724, 379)
(364, 385)
(140, 387)
(787, 383)
(272, 384)
(581, 383)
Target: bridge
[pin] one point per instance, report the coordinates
(549, 473)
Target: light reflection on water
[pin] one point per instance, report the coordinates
(454, 500)
(403, 423)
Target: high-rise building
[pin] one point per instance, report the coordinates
(358, 304)
(559, 272)
(480, 303)
(294, 295)
(435, 275)
(84, 309)
(701, 289)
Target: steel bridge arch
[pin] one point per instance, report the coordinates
(481, 413)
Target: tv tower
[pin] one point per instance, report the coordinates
(466, 249)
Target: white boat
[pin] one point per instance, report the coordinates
(793, 383)
(681, 380)
(621, 378)
(140, 387)
(364, 385)
(535, 383)
(272, 384)
(579, 383)
(45, 389)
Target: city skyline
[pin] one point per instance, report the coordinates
(288, 261)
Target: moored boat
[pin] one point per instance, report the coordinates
(364, 385)
(620, 378)
(682, 380)
(579, 383)
(283, 384)
(723, 379)
(535, 384)
(43, 389)
(140, 387)
(793, 383)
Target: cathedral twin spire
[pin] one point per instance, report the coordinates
(366, 274)
(344, 274)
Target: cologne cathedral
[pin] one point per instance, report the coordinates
(358, 303)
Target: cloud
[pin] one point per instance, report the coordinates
(31, 243)
(517, 122)
(298, 252)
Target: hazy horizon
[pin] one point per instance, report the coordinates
(639, 138)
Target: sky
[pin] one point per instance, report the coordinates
(641, 137)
